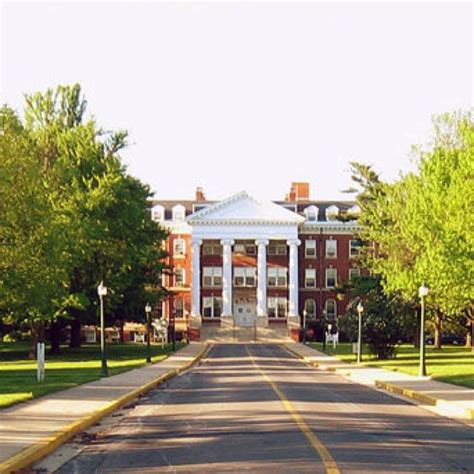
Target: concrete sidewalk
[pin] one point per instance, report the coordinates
(449, 400)
(31, 430)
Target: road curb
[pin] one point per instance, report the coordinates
(47, 445)
(466, 413)
(421, 397)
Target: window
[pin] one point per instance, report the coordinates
(251, 250)
(277, 277)
(179, 277)
(179, 307)
(245, 276)
(310, 278)
(331, 276)
(239, 248)
(310, 308)
(354, 246)
(277, 249)
(277, 307)
(212, 307)
(310, 248)
(212, 249)
(354, 272)
(157, 213)
(212, 276)
(311, 213)
(331, 248)
(179, 212)
(179, 248)
(332, 213)
(331, 309)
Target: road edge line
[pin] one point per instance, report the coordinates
(47, 445)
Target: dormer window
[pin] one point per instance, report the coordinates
(157, 213)
(311, 213)
(179, 213)
(332, 213)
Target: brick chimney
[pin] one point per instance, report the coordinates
(200, 194)
(298, 192)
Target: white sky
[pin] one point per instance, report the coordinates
(246, 95)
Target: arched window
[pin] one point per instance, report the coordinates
(332, 212)
(179, 212)
(310, 308)
(331, 309)
(158, 213)
(311, 213)
(179, 307)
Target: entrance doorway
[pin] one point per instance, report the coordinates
(245, 314)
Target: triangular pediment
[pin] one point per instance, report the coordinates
(243, 208)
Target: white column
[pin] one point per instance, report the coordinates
(196, 282)
(227, 276)
(293, 270)
(262, 278)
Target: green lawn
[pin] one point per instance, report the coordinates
(72, 367)
(452, 364)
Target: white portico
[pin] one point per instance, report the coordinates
(242, 218)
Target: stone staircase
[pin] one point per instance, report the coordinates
(271, 334)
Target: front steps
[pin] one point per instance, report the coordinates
(270, 334)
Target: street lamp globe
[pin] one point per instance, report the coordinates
(148, 308)
(360, 308)
(102, 289)
(423, 290)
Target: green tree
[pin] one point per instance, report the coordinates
(419, 229)
(91, 217)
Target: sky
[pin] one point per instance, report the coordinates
(249, 95)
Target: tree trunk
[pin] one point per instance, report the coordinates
(75, 339)
(438, 329)
(37, 335)
(469, 334)
(55, 337)
(121, 331)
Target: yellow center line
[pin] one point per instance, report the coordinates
(328, 460)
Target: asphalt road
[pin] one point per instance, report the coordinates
(257, 408)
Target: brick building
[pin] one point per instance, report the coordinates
(243, 262)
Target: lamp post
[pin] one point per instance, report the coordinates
(324, 330)
(360, 310)
(422, 292)
(148, 339)
(102, 291)
(304, 326)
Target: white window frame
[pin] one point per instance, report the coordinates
(239, 248)
(209, 302)
(212, 277)
(310, 271)
(250, 249)
(178, 212)
(328, 270)
(277, 277)
(182, 271)
(332, 213)
(178, 307)
(247, 274)
(176, 244)
(274, 304)
(326, 305)
(307, 247)
(158, 213)
(354, 244)
(211, 249)
(311, 213)
(334, 244)
(354, 272)
(311, 315)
